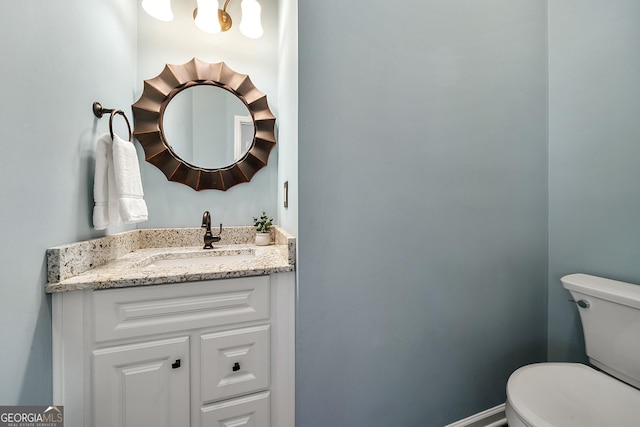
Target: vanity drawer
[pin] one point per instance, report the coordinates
(234, 362)
(146, 310)
(253, 410)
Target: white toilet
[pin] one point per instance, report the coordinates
(576, 395)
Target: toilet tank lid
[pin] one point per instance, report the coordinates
(606, 289)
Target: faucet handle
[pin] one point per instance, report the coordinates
(220, 232)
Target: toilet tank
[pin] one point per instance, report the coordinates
(610, 314)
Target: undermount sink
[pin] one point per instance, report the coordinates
(212, 259)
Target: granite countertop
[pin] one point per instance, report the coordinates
(127, 259)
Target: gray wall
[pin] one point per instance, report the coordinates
(57, 59)
(594, 140)
(423, 207)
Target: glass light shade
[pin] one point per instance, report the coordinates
(207, 16)
(250, 25)
(159, 9)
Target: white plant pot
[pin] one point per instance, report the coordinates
(263, 239)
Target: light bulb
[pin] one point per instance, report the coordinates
(250, 25)
(207, 16)
(159, 9)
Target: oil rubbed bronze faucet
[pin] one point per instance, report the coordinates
(209, 238)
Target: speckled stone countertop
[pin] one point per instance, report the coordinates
(127, 259)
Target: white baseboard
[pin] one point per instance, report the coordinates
(493, 417)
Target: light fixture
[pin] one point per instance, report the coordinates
(206, 16)
(250, 25)
(210, 18)
(159, 9)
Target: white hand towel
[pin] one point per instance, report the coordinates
(128, 184)
(105, 211)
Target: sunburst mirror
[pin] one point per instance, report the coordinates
(150, 120)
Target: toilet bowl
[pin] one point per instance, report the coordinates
(569, 395)
(576, 395)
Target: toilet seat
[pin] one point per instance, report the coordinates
(571, 395)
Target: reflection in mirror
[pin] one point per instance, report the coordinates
(208, 126)
(244, 131)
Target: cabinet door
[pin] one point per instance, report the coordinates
(142, 384)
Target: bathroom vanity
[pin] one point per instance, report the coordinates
(151, 330)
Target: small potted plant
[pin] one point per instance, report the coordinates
(263, 229)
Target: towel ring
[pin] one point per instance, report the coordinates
(99, 110)
(113, 114)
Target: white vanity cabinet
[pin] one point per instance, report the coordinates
(209, 353)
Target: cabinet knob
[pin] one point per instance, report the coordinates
(176, 364)
(236, 367)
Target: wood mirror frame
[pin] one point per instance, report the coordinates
(148, 114)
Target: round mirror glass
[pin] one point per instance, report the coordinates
(208, 126)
